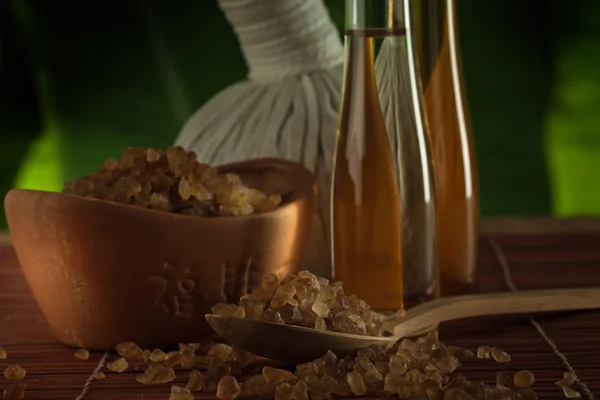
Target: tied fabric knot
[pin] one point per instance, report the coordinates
(282, 38)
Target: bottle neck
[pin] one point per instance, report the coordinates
(376, 14)
(434, 19)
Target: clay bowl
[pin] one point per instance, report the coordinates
(104, 272)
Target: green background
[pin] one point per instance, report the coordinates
(79, 81)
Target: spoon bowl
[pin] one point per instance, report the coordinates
(289, 342)
(300, 344)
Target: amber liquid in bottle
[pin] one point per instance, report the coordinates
(366, 221)
(451, 138)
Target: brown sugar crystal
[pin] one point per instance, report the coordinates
(524, 379)
(300, 390)
(570, 393)
(277, 375)
(119, 365)
(188, 348)
(82, 354)
(395, 382)
(156, 374)
(484, 352)
(195, 382)
(98, 375)
(356, 383)
(305, 300)
(500, 355)
(14, 391)
(172, 181)
(228, 388)
(220, 354)
(157, 355)
(255, 385)
(180, 393)
(14, 373)
(284, 392)
(130, 350)
(3, 354)
(316, 387)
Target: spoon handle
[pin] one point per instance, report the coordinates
(457, 307)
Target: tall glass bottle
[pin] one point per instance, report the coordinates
(452, 143)
(383, 196)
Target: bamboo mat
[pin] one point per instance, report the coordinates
(548, 345)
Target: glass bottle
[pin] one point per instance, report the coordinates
(383, 198)
(452, 143)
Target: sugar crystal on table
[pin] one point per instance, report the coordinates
(524, 379)
(254, 385)
(119, 365)
(284, 392)
(155, 374)
(220, 354)
(277, 375)
(394, 382)
(14, 373)
(82, 354)
(367, 370)
(307, 369)
(356, 383)
(98, 375)
(398, 364)
(195, 381)
(187, 361)
(300, 390)
(189, 348)
(14, 391)
(3, 354)
(317, 389)
(500, 355)
(130, 351)
(173, 358)
(414, 376)
(448, 364)
(180, 393)
(157, 355)
(484, 352)
(570, 393)
(340, 387)
(228, 388)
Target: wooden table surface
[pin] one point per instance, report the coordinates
(515, 254)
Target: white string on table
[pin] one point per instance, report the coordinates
(507, 275)
(88, 383)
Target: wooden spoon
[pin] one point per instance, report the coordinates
(299, 344)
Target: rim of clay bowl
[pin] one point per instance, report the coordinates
(307, 189)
